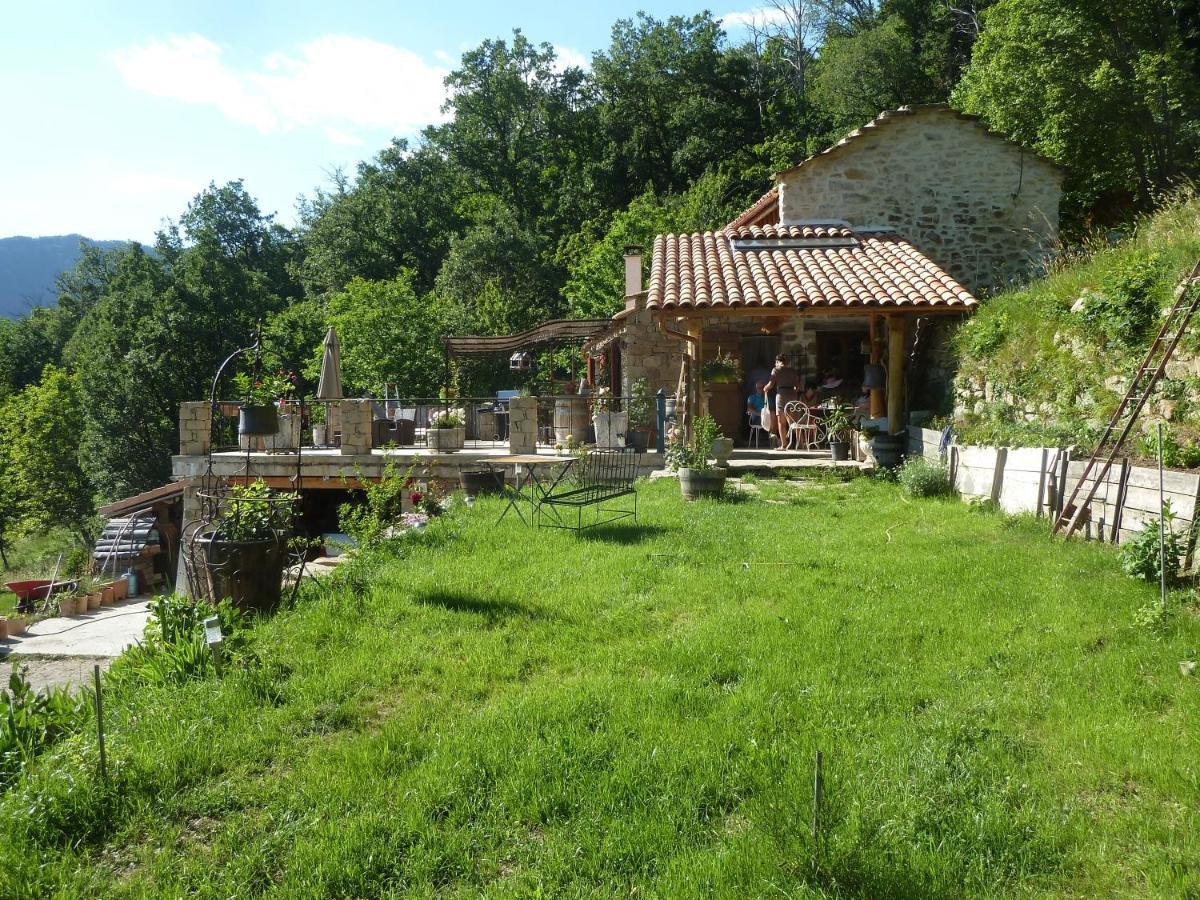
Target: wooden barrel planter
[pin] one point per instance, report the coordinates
(697, 483)
(571, 419)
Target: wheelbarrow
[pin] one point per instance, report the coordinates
(30, 592)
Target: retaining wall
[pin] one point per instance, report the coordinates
(1037, 479)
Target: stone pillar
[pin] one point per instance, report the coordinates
(195, 427)
(355, 418)
(522, 425)
(192, 512)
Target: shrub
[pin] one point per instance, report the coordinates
(1140, 554)
(31, 721)
(924, 478)
(370, 522)
(1127, 303)
(447, 420)
(175, 649)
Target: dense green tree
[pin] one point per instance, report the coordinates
(400, 212)
(674, 102)
(388, 332)
(42, 429)
(597, 275)
(1108, 89)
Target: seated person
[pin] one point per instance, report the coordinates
(756, 401)
(811, 396)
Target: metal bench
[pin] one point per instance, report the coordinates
(595, 482)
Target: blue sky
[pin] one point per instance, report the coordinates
(116, 113)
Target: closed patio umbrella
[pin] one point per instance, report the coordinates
(330, 385)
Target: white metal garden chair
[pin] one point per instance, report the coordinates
(805, 430)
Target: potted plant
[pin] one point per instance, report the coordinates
(722, 377)
(888, 449)
(316, 419)
(641, 415)
(609, 422)
(257, 396)
(839, 425)
(689, 455)
(447, 432)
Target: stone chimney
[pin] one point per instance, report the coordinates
(633, 270)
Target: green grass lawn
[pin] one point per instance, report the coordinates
(515, 712)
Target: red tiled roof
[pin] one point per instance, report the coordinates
(824, 266)
(762, 210)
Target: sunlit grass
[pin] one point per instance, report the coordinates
(512, 712)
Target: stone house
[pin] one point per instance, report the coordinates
(860, 253)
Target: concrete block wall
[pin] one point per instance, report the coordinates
(982, 207)
(1038, 479)
(355, 418)
(195, 427)
(522, 424)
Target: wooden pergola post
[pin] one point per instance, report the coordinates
(878, 407)
(695, 330)
(897, 333)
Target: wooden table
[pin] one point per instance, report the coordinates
(525, 467)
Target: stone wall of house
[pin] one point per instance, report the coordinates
(648, 353)
(980, 206)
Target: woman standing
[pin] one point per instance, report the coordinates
(786, 382)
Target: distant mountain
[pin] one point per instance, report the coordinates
(28, 267)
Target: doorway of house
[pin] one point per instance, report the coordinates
(758, 357)
(841, 352)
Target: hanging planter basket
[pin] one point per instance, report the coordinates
(258, 420)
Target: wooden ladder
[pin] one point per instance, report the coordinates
(1075, 509)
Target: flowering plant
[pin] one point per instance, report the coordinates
(265, 389)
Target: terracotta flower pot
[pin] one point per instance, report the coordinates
(107, 593)
(16, 626)
(103, 602)
(3, 629)
(69, 606)
(120, 589)
(93, 601)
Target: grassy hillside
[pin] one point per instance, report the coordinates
(524, 713)
(1048, 363)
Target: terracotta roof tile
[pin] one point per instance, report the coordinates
(764, 209)
(799, 267)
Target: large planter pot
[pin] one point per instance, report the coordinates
(669, 408)
(888, 449)
(727, 407)
(69, 606)
(250, 573)
(318, 434)
(697, 483)
(639, 439)
(721, 450)
(839, 450)
(610, 429)
(446, 440)
(482, 481)
(258, 420)
(570, 419)
(16, 626)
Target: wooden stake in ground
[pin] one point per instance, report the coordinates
(100, 724)
(818, 792)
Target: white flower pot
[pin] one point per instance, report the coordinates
(610, 428)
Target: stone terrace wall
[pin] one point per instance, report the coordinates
(946, 185)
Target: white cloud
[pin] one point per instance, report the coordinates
(442, 56)
(335, 80)
(759, 15)
(154, 183)
(566, 57)
(337, 136)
